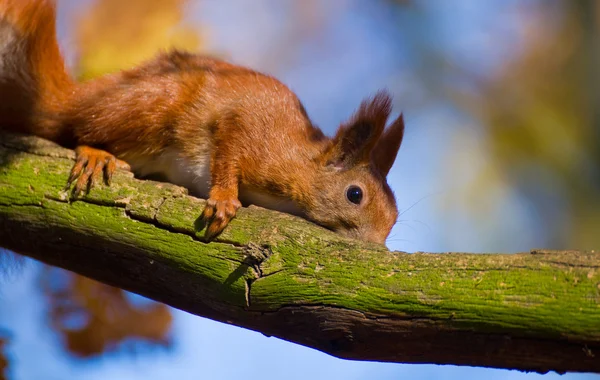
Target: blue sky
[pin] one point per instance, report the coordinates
(353, 54)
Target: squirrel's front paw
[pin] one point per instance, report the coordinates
(91, 165)
(217, 214)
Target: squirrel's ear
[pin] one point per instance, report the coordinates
(354, 140)
(386, 149)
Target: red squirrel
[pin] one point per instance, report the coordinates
(223, 131)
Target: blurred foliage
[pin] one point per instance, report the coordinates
(93, 318)
(542, 124)
(3, 359)
(116, 34)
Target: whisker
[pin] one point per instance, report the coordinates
(391, 240)
(423, 224)
(419, 201)
(403, 223)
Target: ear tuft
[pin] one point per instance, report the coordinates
(375, 110)
(356, 138)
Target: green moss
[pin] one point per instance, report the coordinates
(465, 290)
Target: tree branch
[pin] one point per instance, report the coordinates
(286, 277)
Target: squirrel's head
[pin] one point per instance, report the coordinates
(351, 195)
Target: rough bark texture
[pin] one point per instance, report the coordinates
(285, 277)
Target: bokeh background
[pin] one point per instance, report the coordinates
(501, 154)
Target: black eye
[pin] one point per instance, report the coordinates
(354, 194)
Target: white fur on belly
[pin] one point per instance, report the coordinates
(195, 176)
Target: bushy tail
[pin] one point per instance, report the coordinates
(33, 79)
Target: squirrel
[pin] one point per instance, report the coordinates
(223, 131)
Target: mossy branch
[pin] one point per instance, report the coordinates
(285, 277)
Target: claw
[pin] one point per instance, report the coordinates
(217, 214)
(76, 171)
(109, 169)
(96, 173)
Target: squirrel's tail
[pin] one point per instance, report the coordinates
(33, 79)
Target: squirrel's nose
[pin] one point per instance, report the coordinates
(375, 237)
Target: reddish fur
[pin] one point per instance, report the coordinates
(250, 127)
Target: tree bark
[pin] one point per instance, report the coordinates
(285, 277)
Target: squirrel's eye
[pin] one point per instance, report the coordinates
(354, 194)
